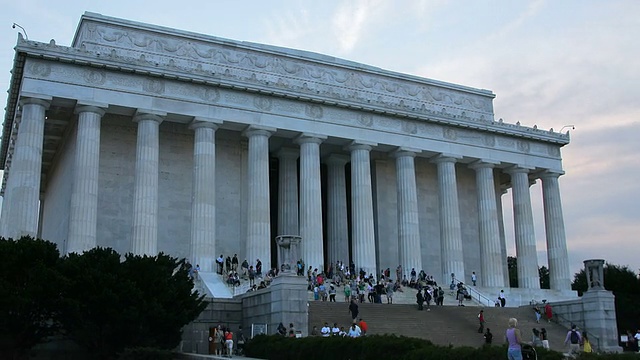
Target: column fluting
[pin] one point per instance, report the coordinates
(23, 184)
(450, 231)
(311, 201)
(337, 225)
(363, 236)
(528, 276)
(258, 208)
(408, 219)
(558, 257)
(203, 200)
(83, 214)
(288, 191)
(491, 271)
(144, 240)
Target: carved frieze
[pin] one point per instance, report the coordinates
(149, 47)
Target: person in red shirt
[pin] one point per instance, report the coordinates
(481, 321)
(548, 312)
(363, 326)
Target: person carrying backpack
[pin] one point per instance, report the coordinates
(573, 339)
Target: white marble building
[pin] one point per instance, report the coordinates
(148, 139)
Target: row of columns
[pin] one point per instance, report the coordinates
(303, 215)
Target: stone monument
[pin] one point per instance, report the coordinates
(288, 253)
(599, 309)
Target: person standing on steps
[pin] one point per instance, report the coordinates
(481, 321)
(502, 298)
(474, 278)
(419, 299)
(363, 327)
(573, 339)
(514, 339)
(548, 312)
(353, 309)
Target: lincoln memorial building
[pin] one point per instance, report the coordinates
(147, 139)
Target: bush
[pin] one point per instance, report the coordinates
(145, 354)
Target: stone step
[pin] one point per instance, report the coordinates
(443, 325)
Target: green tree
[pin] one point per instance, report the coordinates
(113, 305)
(625, 285)
(512, 267)
(543, 273)
(29, 294)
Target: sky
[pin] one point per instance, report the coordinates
(550, 64)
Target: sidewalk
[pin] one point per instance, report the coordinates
(189, 356)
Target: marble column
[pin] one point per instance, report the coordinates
(202, 249)
(258, 213)
(450, 231)
(83, 213)
(23, 183)
(363, 236)
(559, 273)
(337, 226)
(528, 276)
(491, 270)
(311, 200)
(408, 219)
(288, 192)
(144, 240)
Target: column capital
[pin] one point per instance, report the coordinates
(338, 159)
(258, 130)
(200, 122)
(482, 163)
(516, 169)
(32, 98)
(85, 106)
(548, 173)
(309, 138)
(287, 153)
(445, 158)
(143, 114)
(404, 151)
(360, 145)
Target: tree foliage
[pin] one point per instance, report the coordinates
(141, 302)
(29, 294)
(512, 267)
(102, 302)
(625, 285)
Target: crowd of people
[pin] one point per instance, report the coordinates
(221, 341)
(354, 330)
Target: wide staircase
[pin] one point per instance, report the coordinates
(443, 325)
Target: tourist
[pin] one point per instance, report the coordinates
(281, 330)
(440, 299)
(227, 264)
(460, 296)
(292, 329)
(514, 339)
(342, 332)
(502, 298)
(474, 278)
(326, 330)
(241, 340)
(314, 331)
(332, 293)
(245, 268)
(252, 276)
(228, 341)
(234, 262)
(389, 292)
(419, 299)
(220, 343)
(536, 339)
(586, 344)
(363, 327)
(637, 338)
(481, 321)
(488, 337)
(353, 309)
(548, 312)
(354, 331)
(220, 263)
(573, 339)
(335, 330)
(258, 268)
(544, 338)
(347, 293)
(536, 310)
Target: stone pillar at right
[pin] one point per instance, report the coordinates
(559, 273)
(599, 309)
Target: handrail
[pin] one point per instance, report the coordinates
(593, 339)
(478, 293)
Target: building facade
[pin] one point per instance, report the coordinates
(147, 139)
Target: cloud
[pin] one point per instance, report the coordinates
(349, 21)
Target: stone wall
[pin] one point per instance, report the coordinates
(225, 312)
